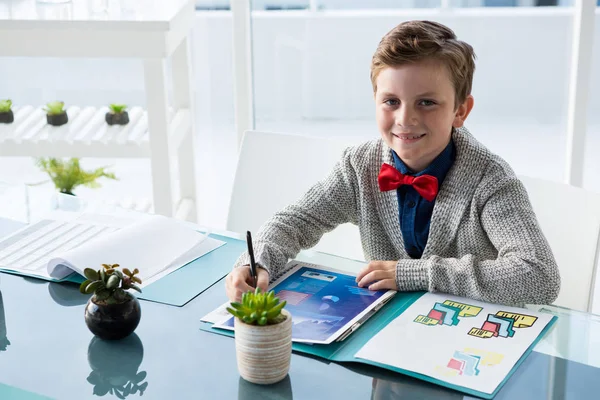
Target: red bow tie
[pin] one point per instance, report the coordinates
(390, 178)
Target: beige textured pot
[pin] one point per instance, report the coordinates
(264, 352)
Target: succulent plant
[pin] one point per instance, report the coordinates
(55, 108)
(67, 175)
(5, 105)
(258, 308)
(117, 108)
(110, 284)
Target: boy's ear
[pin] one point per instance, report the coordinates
(463, 112)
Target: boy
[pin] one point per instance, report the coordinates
(436, 210)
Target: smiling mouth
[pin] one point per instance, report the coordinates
(408, 137)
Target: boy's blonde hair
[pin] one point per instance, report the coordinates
(414, 41)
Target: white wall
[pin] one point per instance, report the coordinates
(316, 66)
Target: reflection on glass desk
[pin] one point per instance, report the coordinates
(115, 366)
(46, 351)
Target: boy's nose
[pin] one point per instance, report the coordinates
(406, 117)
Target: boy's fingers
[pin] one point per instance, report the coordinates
(263, 279)
(363, 272)
(384, 284)
(375, 276)
(235, 283)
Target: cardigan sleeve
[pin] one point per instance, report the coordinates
(524, 271)
(301, 225)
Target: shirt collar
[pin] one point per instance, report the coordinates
(439, 167)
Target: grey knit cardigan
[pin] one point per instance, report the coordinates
(484, 240)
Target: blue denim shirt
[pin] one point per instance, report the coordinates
(413, 210)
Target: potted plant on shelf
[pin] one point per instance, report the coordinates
(67, 175)
(112, 312)
(6, 114)
(263, 337)
(117, 115)
(56, 114)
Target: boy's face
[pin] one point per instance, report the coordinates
(415, 111)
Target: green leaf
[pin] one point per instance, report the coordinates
(262, 321)
(94, 286)
(272, 303)
(54, 107)
(102, 275)
(117, 108)
(5, 105)
(119, 294)
(111, 300)
(275, 311)
(112, 282)
(68, 174)
(102, 294)
(237, 306)
(119, 274)
(84, 285)
(134, 287)
(91, 274)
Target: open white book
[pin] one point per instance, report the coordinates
(54, 248)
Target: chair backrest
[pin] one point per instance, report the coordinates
(570, 219)
(275, 170)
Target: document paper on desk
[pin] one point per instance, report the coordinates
(456, 340)
(54, 248)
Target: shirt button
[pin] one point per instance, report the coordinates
(411, 204)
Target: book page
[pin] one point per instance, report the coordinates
(456, 340)
(154, 245)
(28, 250)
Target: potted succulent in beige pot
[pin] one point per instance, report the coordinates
(263, 337)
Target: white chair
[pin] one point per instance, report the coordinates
(570, 219)
(275, 170)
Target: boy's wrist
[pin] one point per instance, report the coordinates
(412, 275)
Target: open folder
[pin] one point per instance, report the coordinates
(54, 249)
(463, 344)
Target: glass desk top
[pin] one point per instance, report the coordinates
(46, 351)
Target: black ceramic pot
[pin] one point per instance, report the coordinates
(57, 119)
(7, 117)
(112, 321)
(121, 118)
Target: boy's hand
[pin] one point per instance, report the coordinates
(378, 275)
(239, 281)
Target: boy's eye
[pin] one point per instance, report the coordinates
(392, 102)
(427, 103)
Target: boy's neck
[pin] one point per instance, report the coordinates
(422, 164)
